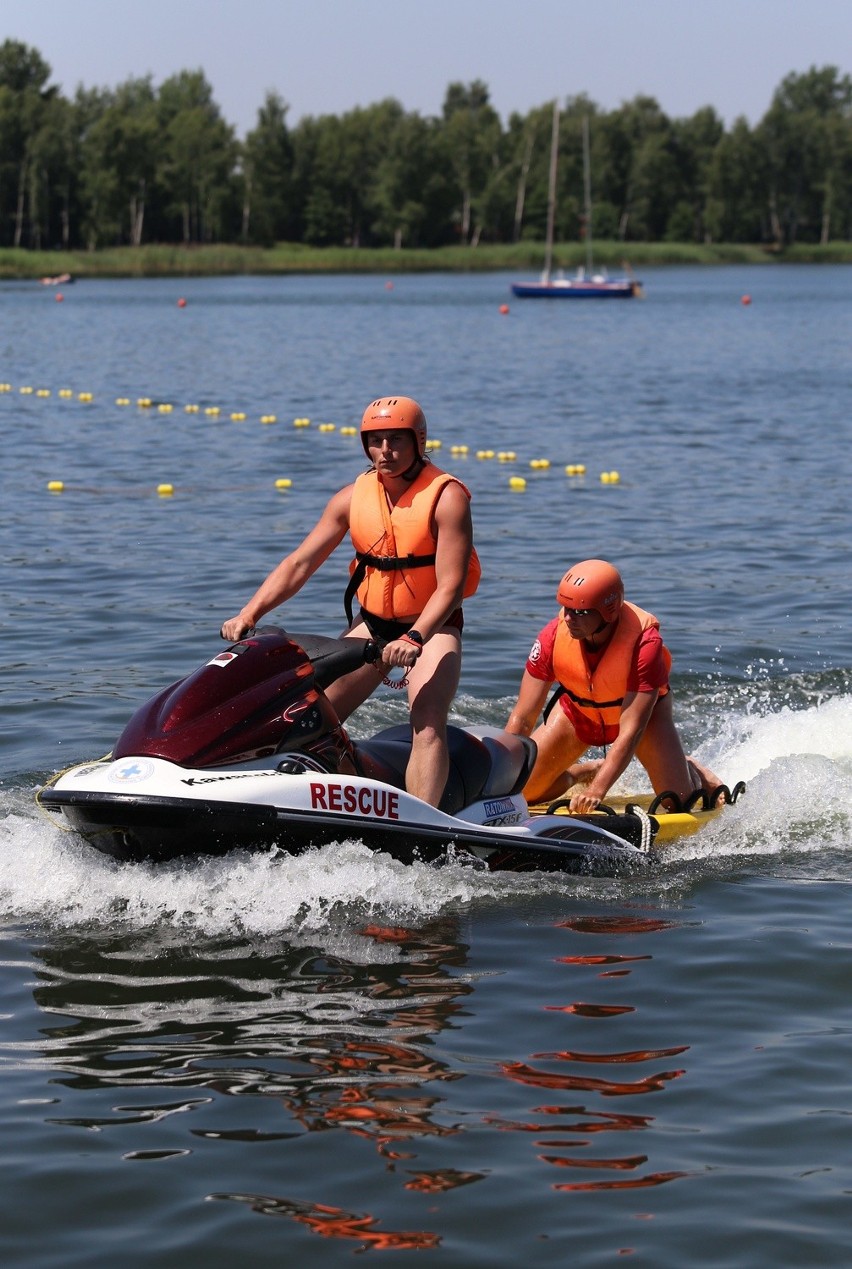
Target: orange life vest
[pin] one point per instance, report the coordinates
(599, 693)
(393, 573)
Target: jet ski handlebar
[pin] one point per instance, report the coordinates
(330, 658)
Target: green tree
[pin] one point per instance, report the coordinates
(412, 197)
(736, 202)
(648, 179)
(24, 100)
(267, 164)
(805, 134)
(120, 155)
(472, 130)
(695, 141)
(199, 157)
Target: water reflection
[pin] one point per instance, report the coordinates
(352, 1036)
(576, 1126)
(330, 1041)
(335, 1222)
(230, 1017)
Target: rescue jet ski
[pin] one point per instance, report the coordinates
(247, 752)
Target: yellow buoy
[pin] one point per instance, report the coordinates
(43, 392)
(459, 449)
(66, 393)
(349, 431)
(301, 422)
(517, 482)
(327, 427)
(165, 491)
(55, 486)
(120, 400)
(540, 464)
(25, 392)
(507, 456)
(84, 396)
(268, 418)
(143, 402)
(212, 410)
(283, 482)
(433, 445)
(190, 409)
(164, 407)
(237, 416)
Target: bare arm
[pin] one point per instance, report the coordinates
(291, 574)
(635, 713)
(531, 697)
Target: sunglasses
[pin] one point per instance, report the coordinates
(579, 612)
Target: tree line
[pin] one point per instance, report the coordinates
(139, 164)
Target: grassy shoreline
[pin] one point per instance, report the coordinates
(293, 258)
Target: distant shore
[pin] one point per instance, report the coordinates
(292, 258)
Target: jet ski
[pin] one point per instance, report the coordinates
(247, 752)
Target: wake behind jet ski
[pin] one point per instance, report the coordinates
(248, 753)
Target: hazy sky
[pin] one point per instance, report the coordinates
(327, 56)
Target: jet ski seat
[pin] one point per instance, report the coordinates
(484, 762)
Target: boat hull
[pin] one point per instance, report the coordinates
(571, 290)
(295, 813)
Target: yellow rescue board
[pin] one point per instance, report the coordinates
(672, 825)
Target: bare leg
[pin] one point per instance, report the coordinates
(432, 684)
(559, 747)
(352, 690)
(661, 753)
(584, 772)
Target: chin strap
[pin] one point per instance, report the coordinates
(411, 473)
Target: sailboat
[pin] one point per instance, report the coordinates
(587, 284)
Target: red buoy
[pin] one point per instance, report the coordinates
(181, 302)
(746, 299)
(504, 308)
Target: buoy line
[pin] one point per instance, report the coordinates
(215, 413)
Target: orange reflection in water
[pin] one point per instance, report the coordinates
(442, 1179)
(634, 1055)
(372, 1088)
(568, 1141)
(523, 1073)
(596, 1121)
(598, 960)
(336, 1222)
(590, 1011)
(389, 1114)
(617, 924)
(636, 1183)
(615, 1165)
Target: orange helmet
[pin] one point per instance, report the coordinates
(593, 584)
(395, 414)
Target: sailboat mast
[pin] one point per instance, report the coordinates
(587, 194)
(551, 192)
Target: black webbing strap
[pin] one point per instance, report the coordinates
(384, 564)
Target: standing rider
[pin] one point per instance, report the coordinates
(414, 561)
(612, 666)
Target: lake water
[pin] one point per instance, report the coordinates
(258, 1060)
